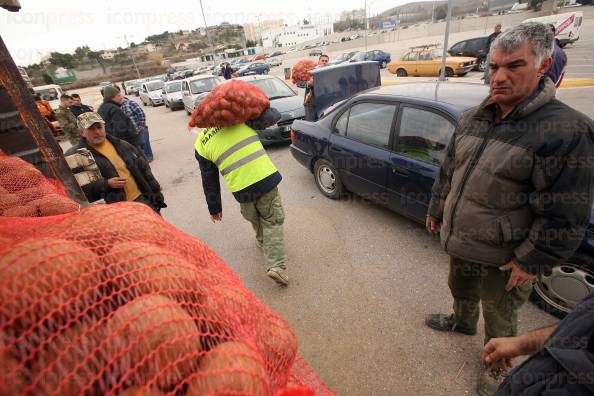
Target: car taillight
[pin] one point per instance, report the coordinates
(292, 136)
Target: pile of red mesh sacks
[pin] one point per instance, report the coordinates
(25, 192)
(113, 300)
(231, 103)
(302, 70)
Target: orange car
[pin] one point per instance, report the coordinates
(425, 61)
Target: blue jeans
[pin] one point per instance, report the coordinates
(486, 71)
(146, 144)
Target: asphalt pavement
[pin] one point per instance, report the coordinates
(362, 278)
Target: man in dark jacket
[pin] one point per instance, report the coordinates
(514, 193)
(117, 123)
(562, 361)
(77, 107)
(126, 173)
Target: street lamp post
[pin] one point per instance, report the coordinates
(207, 36)
(133, 60)
(445, 42)
(365, 25)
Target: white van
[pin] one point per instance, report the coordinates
(568, 26)
(51, 93)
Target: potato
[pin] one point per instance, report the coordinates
(101, 226)
(21, 211)
(142, 268)
(19, 178)
(55, 204)
(12, 380)
(229, 369)
(153, 339)
(278, 344)
(8, 201)
(224, 311)
(67, 365)
(46, 276)
(36, 192)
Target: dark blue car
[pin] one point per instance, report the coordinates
(253, 69)
(387, 143)
(379, 56)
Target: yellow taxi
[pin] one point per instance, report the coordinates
(426, 61)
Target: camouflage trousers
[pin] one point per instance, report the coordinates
(472, 285)
(267, 217)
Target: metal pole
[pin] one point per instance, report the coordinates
(49, 149)
(433, 11)
(207, 36)
(445, 42)
(365, 26)
(133, 60)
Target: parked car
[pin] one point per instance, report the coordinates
(172, 96)
(194, 89)
(355, 36)
(132, 87)
(379, 56)
(342, 58)
(387, 145)
(315, 52)
(258, 57)
(475, 48)
(201, 70)
(253, 68)
(426, 61)
(150, 93)
(274, 62)
(275, 53)
(285, 100)
(51, 93)
(345, 38)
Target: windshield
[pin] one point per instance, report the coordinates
(203, 85)
(154, 86)
(173, 87)
(359, 56)
(48, 93)
(273, 88)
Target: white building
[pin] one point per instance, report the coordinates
(289, 36)
(109, 54)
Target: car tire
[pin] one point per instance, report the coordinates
(559, 292)
(166, 104)
(449, 72)
(151, 103)
(143, 103)
(171, 108)
(327, 179)
(383, 65)
(401, 73)
(482, 64)
(265, 72)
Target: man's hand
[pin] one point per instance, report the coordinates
(433, 225)
(500, 351)
(116, 182)
(216, 217)
(518, 277)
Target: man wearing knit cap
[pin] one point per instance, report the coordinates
(117, 123)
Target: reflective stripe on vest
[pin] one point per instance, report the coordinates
(238, 154)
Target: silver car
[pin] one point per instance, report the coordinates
(150, 93)
(172, 96)
(194, 89)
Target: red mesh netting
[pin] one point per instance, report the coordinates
(231, 103)
(301, 70)
(113, 300)
(25, 192)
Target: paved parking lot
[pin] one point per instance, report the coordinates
(362, 277)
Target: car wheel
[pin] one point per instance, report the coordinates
(559, 292)
(482, 64)
(171, 108)
(449, 72)
(166, 104)
(401, 73)
(151, 103)
(143, 103)
(265, 72)
(327, 179)
(383, 65)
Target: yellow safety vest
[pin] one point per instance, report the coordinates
(238, 153)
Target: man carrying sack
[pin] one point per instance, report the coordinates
(230, 145)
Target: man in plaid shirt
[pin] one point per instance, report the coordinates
(136, 114)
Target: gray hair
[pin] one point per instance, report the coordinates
(539, 36)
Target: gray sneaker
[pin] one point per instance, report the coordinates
(490, 380)
(279, 275)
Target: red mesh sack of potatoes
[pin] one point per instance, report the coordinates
(231, 103)
(113, 300)
(26, 192)
(302, 70)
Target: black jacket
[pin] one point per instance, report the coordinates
(117, 123)
(136, 164)
(490, 40)
(210, 172)
(78, 110)
(565, 365)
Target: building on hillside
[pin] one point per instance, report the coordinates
(253, 31)
(109, 54)
(288, 36)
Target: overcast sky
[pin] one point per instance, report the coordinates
(62, 25)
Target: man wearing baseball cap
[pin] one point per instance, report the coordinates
(126, 173)
(117, 123)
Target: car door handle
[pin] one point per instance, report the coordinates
(400, 170)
